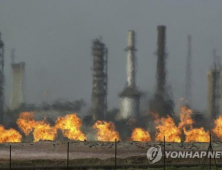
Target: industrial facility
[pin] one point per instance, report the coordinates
(130, 97)
(95, 85)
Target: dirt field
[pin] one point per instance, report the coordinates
(92, 153)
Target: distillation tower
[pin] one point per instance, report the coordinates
(130, 97)
(161, 103)
(100, 80)
(18, 83)
(215, 88)
(188, 87)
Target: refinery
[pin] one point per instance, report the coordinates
(127, 123)
(89, 130)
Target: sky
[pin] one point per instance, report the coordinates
(54, 39)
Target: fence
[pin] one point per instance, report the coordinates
(78, 165)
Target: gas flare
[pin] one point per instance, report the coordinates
(185, 117)
(41, 129)
(106, 131)
(70, 126)
(191, 134)
(140, 134)
(26, 122)
(197, 135)
(218, 127)
(10, 135)
(166, 127)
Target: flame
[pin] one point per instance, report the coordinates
(197, 135)
(106, 131)
(26, 122)
(10, 135)
(185, 117)
(41, 129)
(218, 126)
(140, 134)
(191, 134)
(166, 127)
(70, 126)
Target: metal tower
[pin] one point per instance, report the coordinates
(130, 97)
(161, 54)
(161, 103)
(1, 80)
(100, 80)
(188, 87)
(18, 83)
(214, 76)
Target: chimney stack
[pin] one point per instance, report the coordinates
(130, 97)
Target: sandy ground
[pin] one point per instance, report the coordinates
(89, 152)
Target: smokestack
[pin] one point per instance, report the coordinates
(1, 80)
(161, 56)
(189, 71)
(214, 88)
(130, 97)
(13, 55)
(162, 102)
(130, 62)
(100, 80)
(18, 83)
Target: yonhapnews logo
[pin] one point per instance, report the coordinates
(154, 154)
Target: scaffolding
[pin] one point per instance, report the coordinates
(214, 97)
(100, 80)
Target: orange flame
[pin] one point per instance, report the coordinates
(41, 129)
(10, 135)
(185, 117)
(218, 127)
(197, 135)
(192, 134)
(70, 126)
(166, 127)
(106, 131)
(140, 134)
(26, 122)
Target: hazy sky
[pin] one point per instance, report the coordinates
(54, 38)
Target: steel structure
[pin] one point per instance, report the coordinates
(161, 103)
(100, 79)
(130, 97)
(1, 80)
(131, 59)
(188, 87)
(161, 53)
(214, 88)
